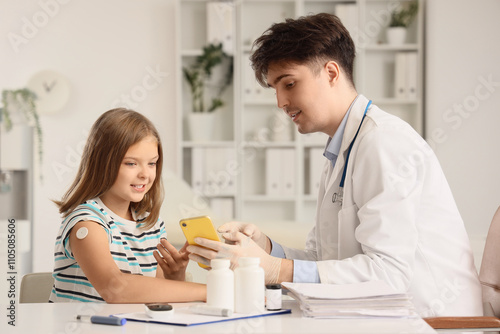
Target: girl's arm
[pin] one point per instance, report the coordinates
(93, 255)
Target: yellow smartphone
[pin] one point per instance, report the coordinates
(198, 227)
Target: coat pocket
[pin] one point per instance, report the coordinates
(348, 222)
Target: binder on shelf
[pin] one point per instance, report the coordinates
(273, 170)
(252, 90)
(405, 75)
(280, 172)
(400, 91)
(229, 169)
(211, 160)
(287, 171)
(411, 75)
(198, 169)
(213, 171)
(220, 24)
(219, 179)
(316, 162)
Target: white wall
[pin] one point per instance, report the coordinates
(105, 49)
(463, 113)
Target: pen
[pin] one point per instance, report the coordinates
(211, 310)
(97, 319)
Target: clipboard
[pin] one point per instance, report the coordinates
(184, 317)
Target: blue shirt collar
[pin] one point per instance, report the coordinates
(333, 144)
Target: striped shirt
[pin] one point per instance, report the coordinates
(131, 248)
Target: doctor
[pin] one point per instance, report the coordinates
(384, 211)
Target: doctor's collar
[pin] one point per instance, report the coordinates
(333, 144)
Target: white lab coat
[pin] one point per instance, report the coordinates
(398, 221)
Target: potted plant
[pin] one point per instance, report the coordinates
(19, 108)
(401, 18)
(198, 76)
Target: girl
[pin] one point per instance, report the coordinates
(111, 238)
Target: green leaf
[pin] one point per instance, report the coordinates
(404, 15)
(22, 101)
(198, 73)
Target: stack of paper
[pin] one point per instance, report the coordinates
(367, 299)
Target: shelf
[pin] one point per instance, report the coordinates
(314, 145)
(330, 1)
(270, 1)
(393, 101)
(261, 103)
(251, 119)
(388, 47)
(191, 53)
(310, 198)
(223, 144)
(268, 144)
(265, 198)
(223, 195)
(385, 1)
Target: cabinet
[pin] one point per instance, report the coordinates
(16, 193)
(234, 170)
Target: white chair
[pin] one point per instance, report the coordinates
(36, 287)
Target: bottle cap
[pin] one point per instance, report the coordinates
(273, 286)
(220, 263)
(248, 261)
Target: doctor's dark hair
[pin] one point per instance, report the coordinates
(309, 40)
(109, 140)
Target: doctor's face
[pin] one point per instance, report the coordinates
(306, 97)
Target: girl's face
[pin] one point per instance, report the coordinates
(135, 177)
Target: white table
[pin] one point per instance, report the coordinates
(60, 318)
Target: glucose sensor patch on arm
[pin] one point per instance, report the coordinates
(82, 233)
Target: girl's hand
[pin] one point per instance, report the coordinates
(173, 263)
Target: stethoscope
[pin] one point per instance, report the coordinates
(339, 197)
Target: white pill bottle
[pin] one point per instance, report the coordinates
(249, 286)
(220, 285)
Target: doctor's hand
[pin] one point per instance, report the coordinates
(173, 263)
(250, 230)
(243, 246)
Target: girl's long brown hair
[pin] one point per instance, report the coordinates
(109, 140)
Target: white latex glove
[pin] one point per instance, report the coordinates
(244, 246)
(247, 229)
